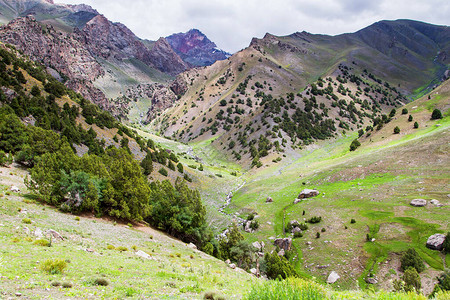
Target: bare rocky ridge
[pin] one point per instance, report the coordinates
(195, 48)
(60, 51)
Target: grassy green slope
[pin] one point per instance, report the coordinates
(373, 185)
(173, 271)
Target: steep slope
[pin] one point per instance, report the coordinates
(195, 48)
(231, 98)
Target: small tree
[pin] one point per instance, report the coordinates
(410, 118)
(180, 168)
(396, 130)
(416, 125)
(392, 113)
(446, 244)
(437, 114)
(411, 258)
(355, 144)
(404, 111)
(412, 280)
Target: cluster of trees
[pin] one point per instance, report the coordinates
(106, 180)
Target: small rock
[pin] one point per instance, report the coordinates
(143, 254)
(228, 261)
(233, 266)
(18, 294)
(15, 189)
(281, 252)
(192, 246)
(418, 202)
(269, 199)
(89, 250)
(257, 245)
(38, 233)
(296, 230)
(297, 200)
(371, 280)
(436, 241)
(308, 243)
(253, 271)
(333, 277)
(436, 203)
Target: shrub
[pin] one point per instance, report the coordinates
(443, 283)
(416, 125)
(298, 234)
(278, 266)
(410, 118)
(397, 130)
(404, 111)
(77, 218)
(180, 168)
(352, 221)
(163, 172)
(101, 281)
(436, 114)
(323, 230)
(26, 221)
(317, 235)
(314, 220)
(412, 280)
(254, 225)
(42, 242)
(53, 266)
(411, 258)
(292, 288)
(110, 247)
(355, 144)
(122, 249)
(66, 285)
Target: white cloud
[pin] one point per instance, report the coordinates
(232, 24)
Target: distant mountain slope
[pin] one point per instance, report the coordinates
(195, 48)
(262, 89)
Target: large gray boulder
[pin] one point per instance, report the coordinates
(308, 193)
(436, 241)
(284, 243)
(418, 202)
(333, 277)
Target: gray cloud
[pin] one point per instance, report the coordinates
(232, 24)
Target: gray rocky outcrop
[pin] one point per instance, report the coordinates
(283, 243)
(308, 193)
(418, 202)
(436, 241)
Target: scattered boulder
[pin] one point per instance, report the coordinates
(228, 261)
(333, 277)
(15, 189)
(269, 199)
(192, 246)
(54, 234)
(257, 245)
(294, 223)
(308, 193)
(283, 243)
(254, 271)
(143, 254)
(38, 233)
(436, 241)
(418, 202)
(233, 266)
(436, 203)
(297, 200)
(371, 280)
(247, 227)
(281, 252)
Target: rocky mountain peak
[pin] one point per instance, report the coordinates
(195, 48)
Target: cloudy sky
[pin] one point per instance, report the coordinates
(231, 24)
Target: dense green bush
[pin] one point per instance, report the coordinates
(446, 245)
(278, 266)
(314, 220)
(53, 266)
(411, 258)
(436, 114)
(355, 144)
(397, 130)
